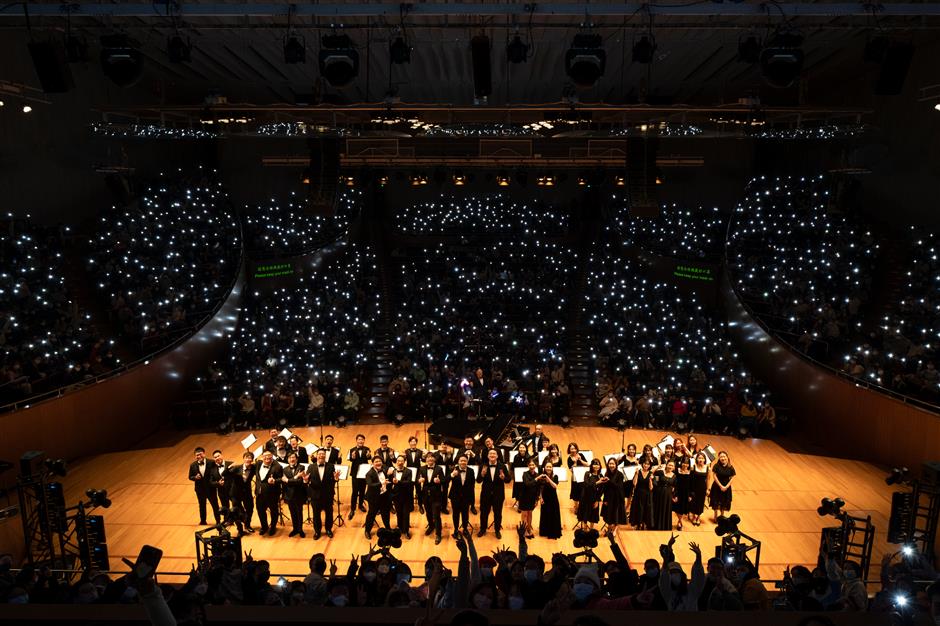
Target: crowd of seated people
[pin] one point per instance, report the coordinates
(287, 227)
(501, 310)
(664, 360)
(684, 233)
(803, 267)
(46, 342)
(298, 353)
(512, 578)
(168, 259)
(486, 214)
(902, 353)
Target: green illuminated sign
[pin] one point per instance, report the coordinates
(694, 273)
(274, 269)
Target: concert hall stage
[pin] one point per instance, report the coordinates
(776, 493)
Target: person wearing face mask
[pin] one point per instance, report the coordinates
(586, 588)
(678, 592)
(752, 591)
(339, 596)
(483, 597)
(719, 593)
(649, 582)
(487, 568)
(853, 596)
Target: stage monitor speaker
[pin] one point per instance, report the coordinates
(930, 472)
(52, 66)
(324, 176)
(897, 61)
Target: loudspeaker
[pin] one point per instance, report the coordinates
(52, 66)
(930, 471)
(897, 61)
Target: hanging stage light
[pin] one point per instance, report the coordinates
(178, 49)
(295, 50)
(586, 60)
(339, 60)
(781, 60)
(400, 51)
(644, 49)
(749, 50)
(121, 61)
(517, 51)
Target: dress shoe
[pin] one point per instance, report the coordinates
(481, 533)
(301, 534)
(368, 534)
(473, 510)
(499, 535)
(407, 534)
(351, 513)
(292, 533)
(271, 531)
(362, 508)
(329, 534)
(437, 540)
(316, 535)
(263, 530)
(428, 531)
(249, 529)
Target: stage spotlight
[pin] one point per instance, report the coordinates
(502, 180)
(781, 60)
(459, 180)
(565, 421)
(516, 50)
(898, 475)
(389, 538)
(620, 180)
(349, 181)
(399, 419)
(644, 49)
(400, 51)
(178, 49)
(339, 60)
(582, 181)
(749, 49)
(584, 538)
(56, 467)
(98, 497)
(828, 506)
(727, 524)
(482, 75)
(418, 180)
(295, 50)
(383, 180)
(341, 420)
(586, 60)
(121, 62)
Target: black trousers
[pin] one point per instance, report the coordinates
(403, 513)
(358, 493)
(495, 505)
(380, 506)
(444, 484)
(296, 508)
(202, 496)
(326, 509)
(247, 503)
(461, 513)
(267, 508)
(217, 497)
(432, 510)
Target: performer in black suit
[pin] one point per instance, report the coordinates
(384, 452)
(332, 454)
(198, 473)
(413, 457)
(431, 481)
(240, 478)
(218, 492)
(489, 444)
(402, 494)
(295, 493)
(268, 492)
(447, 459)
(358, 456)
(479, 392)
(295, 447)
(538, 440)
(271, 444)
(321, 487)
(378, 496)
(461, 494)
(493, 478)
(473, 460)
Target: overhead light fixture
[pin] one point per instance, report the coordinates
(749, 50)
(545, 181)
(121, 61)
(178, 49)
(517, 51)
(295, 50)
(400, 51)
(582, 181)
(305, 176)
(781, 60)
(350, 181)
(383, 180)
(338, 60)
(419, 180)
(937, 106)
(459, 180)
(502, 180)
(644, 49)
(585, 60)
(27, 108)
(620, 180)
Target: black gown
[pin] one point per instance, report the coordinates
(683, 482)
(550, 516)
(698, 486)
(628, 485)
(615, 509)
(575, 487)
(528, 492)
(718, 499)
(663, 489)
(641, 509)
(519, 461)
(590, 494)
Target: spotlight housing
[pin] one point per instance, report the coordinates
(178, 49)
(727, 524)
(749, 50)
(55, 466)
(644, 49)
(585, 60)
(295, 50)
(121, 61)
(338, 60)
(517, 51)
(389, 538)
(830, 506)
(399, 51)
(502, 180)
(781, 60)
(98, 497)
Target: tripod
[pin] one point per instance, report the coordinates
(587, 553)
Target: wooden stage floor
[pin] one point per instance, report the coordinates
(776, 493)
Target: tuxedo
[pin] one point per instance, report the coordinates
(414, 458)
(447, 462)
(239, 480)
(301, 452)
(199, 474)
(332, 455)
(387, 455)
(431, 495)
(473, 457)
(537, 444)
(501, 455)
(492, 493)
(281, 455)
(379, 497)
(218, 492)
(402, 496)
(461, 497)
(271, 445)
(295, 494)
(267, 495)
(357, 456)
(321, 492)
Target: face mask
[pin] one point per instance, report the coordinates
(369, 576)
(340, 600)
(481, 602)
(130, 593)
(582, 591)
(383, 569)
(531, 575)
(404, 578)
(652, 572)
(20, 599)
(675, 579)
(486, 572)
(516, 603)
(850, 574)
(297, 596)
(201, 589)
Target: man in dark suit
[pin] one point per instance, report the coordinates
(489, 444)
(480, 393)
(294, 446)
(413, 458)
(378, 495)
(332, 453)
(385, 453)
(271, 444)
(268, 492)
(295, 493)
(218, 491)
(494, 476)
(358, 456)
(321, 487)
(431, 481)
(198, 473)
(240, 479)
(402, 494)
(538, 440)
(461, 494)
(447, 459)
(473, 460)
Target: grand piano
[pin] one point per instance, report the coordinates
(504, 431)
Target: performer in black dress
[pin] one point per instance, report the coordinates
(683, 479)
(698, 488)
(649, 456)
(664, 484)
(575, 459)
(629, 460)
(719, 496)
(590, 503)
(615, 512)
(521, 460)
(641, 508)
(550, 517)
(528, 495)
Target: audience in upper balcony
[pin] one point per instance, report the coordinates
(487, 214)
(684, 233)
(288, 227)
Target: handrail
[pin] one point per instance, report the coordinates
(858, 382)
(144, 360)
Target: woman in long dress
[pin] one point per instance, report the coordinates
(615, 512)
(528, 495)
(521, 460)
(683, 479)
(719, 495)
(698, 488)
(629, 460)
(641, 508)
(575, 459)
(589, 505)
(550, 517)
(649, 456)
(664, 485)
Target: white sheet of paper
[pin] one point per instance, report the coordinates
(589, 455)
(343, 471)
(542, 456)
(414, 473)
(616, 456)
(519, 471)
(247, 441)
(561, 473)
(363, 470)
(286, 433)
(382, 477)
(630, 471)
(710, 453)
(513, 455)
(668, 440)
(578, 473)
(258, 451)
(311, 449)
(282, 463)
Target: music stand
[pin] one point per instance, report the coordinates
(338, 519)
